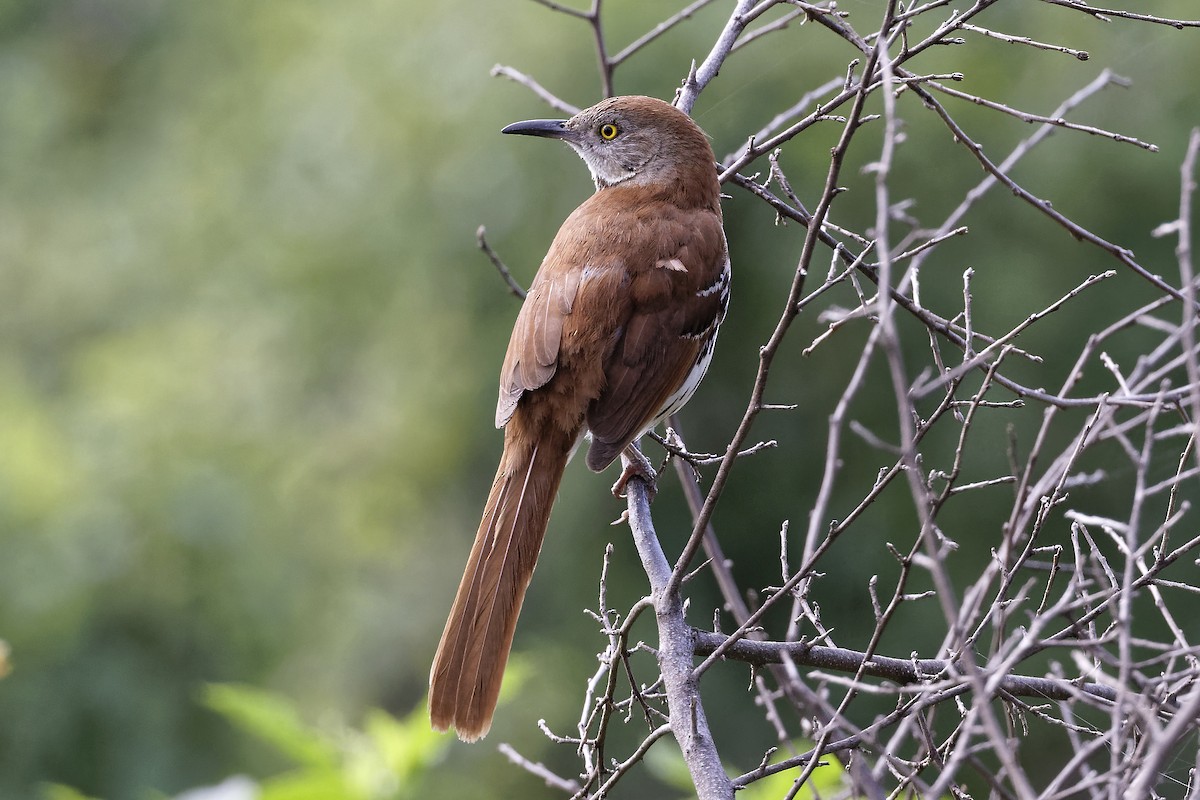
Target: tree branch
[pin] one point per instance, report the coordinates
(908, 672)
(688, 722)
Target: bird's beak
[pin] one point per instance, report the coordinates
(549, 128)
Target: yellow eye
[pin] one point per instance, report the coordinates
(608, 131)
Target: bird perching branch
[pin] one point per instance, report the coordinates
(676, 649)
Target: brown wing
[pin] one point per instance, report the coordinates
(618, 311)
(533, 349)
(674, 301)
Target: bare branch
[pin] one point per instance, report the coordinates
(745, 12)
(505, 274)
(552, 100)
(1023, 40)
(1102, 13)
(688, 722)
(553, 780)
(925, 674)
(658, 30)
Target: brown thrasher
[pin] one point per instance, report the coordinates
(614, 336)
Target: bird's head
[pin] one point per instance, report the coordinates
(631, 140)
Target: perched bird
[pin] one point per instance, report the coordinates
(614, 335)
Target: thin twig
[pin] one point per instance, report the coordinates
(505, 274)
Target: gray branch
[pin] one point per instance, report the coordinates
(675, 651)
(904, 671)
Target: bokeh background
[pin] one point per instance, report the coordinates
(248, 348)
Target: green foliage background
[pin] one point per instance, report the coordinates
(248, 348)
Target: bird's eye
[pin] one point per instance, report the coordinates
(608, 131)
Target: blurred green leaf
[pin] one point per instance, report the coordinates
(406, 746)
(311, 784)
(272, 719)
(55, 791)
(384, 760)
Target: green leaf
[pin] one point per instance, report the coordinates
(409, 746)
(56, 791)
(273, 719)
(311, 784)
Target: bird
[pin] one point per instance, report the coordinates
(614, 335)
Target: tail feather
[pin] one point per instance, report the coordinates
(464, 682)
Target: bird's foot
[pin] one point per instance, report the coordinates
(635, 465)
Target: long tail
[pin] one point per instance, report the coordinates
(465, 679)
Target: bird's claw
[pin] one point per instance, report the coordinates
(635, 465)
